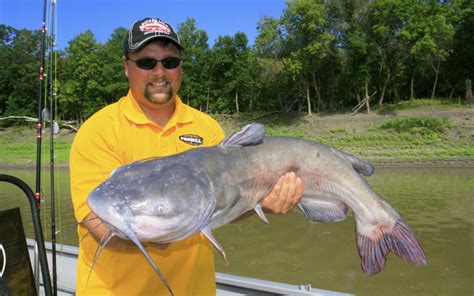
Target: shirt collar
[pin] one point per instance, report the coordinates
(134, 113)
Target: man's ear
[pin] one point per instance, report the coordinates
(125, 65)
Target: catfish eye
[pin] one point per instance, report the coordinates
(160, 208)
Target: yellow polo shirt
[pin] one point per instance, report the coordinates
(118, 134)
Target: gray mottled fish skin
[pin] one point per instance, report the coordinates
(252, 171)
(171, 198)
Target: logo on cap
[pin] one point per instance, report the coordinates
(154, 26)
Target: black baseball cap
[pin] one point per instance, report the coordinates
(147, 29)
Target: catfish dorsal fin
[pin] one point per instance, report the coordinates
(250, 134)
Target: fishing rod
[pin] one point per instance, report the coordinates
(53, 128)
(39, 133)
(39, 124)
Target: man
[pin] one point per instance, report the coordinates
(149, 121)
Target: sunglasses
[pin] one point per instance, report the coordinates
(150, 63)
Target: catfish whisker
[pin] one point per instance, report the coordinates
(87, 220)
(100, 247)
(91, 230)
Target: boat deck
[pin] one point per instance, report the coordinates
(227, 284)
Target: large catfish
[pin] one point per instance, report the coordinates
(167, 199)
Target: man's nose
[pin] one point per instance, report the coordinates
(159, 68)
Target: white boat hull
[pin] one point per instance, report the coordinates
(227, 284)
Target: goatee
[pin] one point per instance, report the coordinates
(159, 98)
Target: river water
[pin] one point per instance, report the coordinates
(437, 202)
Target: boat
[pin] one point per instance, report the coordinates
(227, 284)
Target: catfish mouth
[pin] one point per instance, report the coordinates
(116, 231)
(116, 227)
(152, 229)
(115, 217)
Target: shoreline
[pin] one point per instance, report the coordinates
(382, 162)
(450, 143)
(424, 163)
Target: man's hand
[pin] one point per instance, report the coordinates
(285, 195)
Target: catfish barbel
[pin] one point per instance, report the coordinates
(167, 199)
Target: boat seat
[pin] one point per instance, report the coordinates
(16, 275)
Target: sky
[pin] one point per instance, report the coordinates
(102, 17)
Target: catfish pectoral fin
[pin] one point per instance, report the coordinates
(323, 209)
(258, 209)
(208, 234)
(135, 240)
(400, 240)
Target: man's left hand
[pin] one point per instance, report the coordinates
(285, 195)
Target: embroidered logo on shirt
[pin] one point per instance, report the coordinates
(194, 140)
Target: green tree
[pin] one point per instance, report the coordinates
(413, 35)
(23, 72)
(461, 60)
(361, 53)
(332, 52)
(196, 65)
(7, 35)
(268, 64)
(114, 83)
(435, 44)
(232, 83)
(307, 45)
(81, 92)
(385, 19)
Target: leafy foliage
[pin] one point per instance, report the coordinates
(20, 53)
(319, 55)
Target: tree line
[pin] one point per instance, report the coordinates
(318, 55)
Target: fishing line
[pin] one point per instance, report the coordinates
(51, 143)
(58, 191)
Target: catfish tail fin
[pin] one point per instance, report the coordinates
(401, 240)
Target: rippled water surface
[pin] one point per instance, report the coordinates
(436, 202)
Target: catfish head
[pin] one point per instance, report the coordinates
(158, 200)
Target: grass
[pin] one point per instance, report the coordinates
(18, 145)
(420, 129)
(420, 103)
(408, 138)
